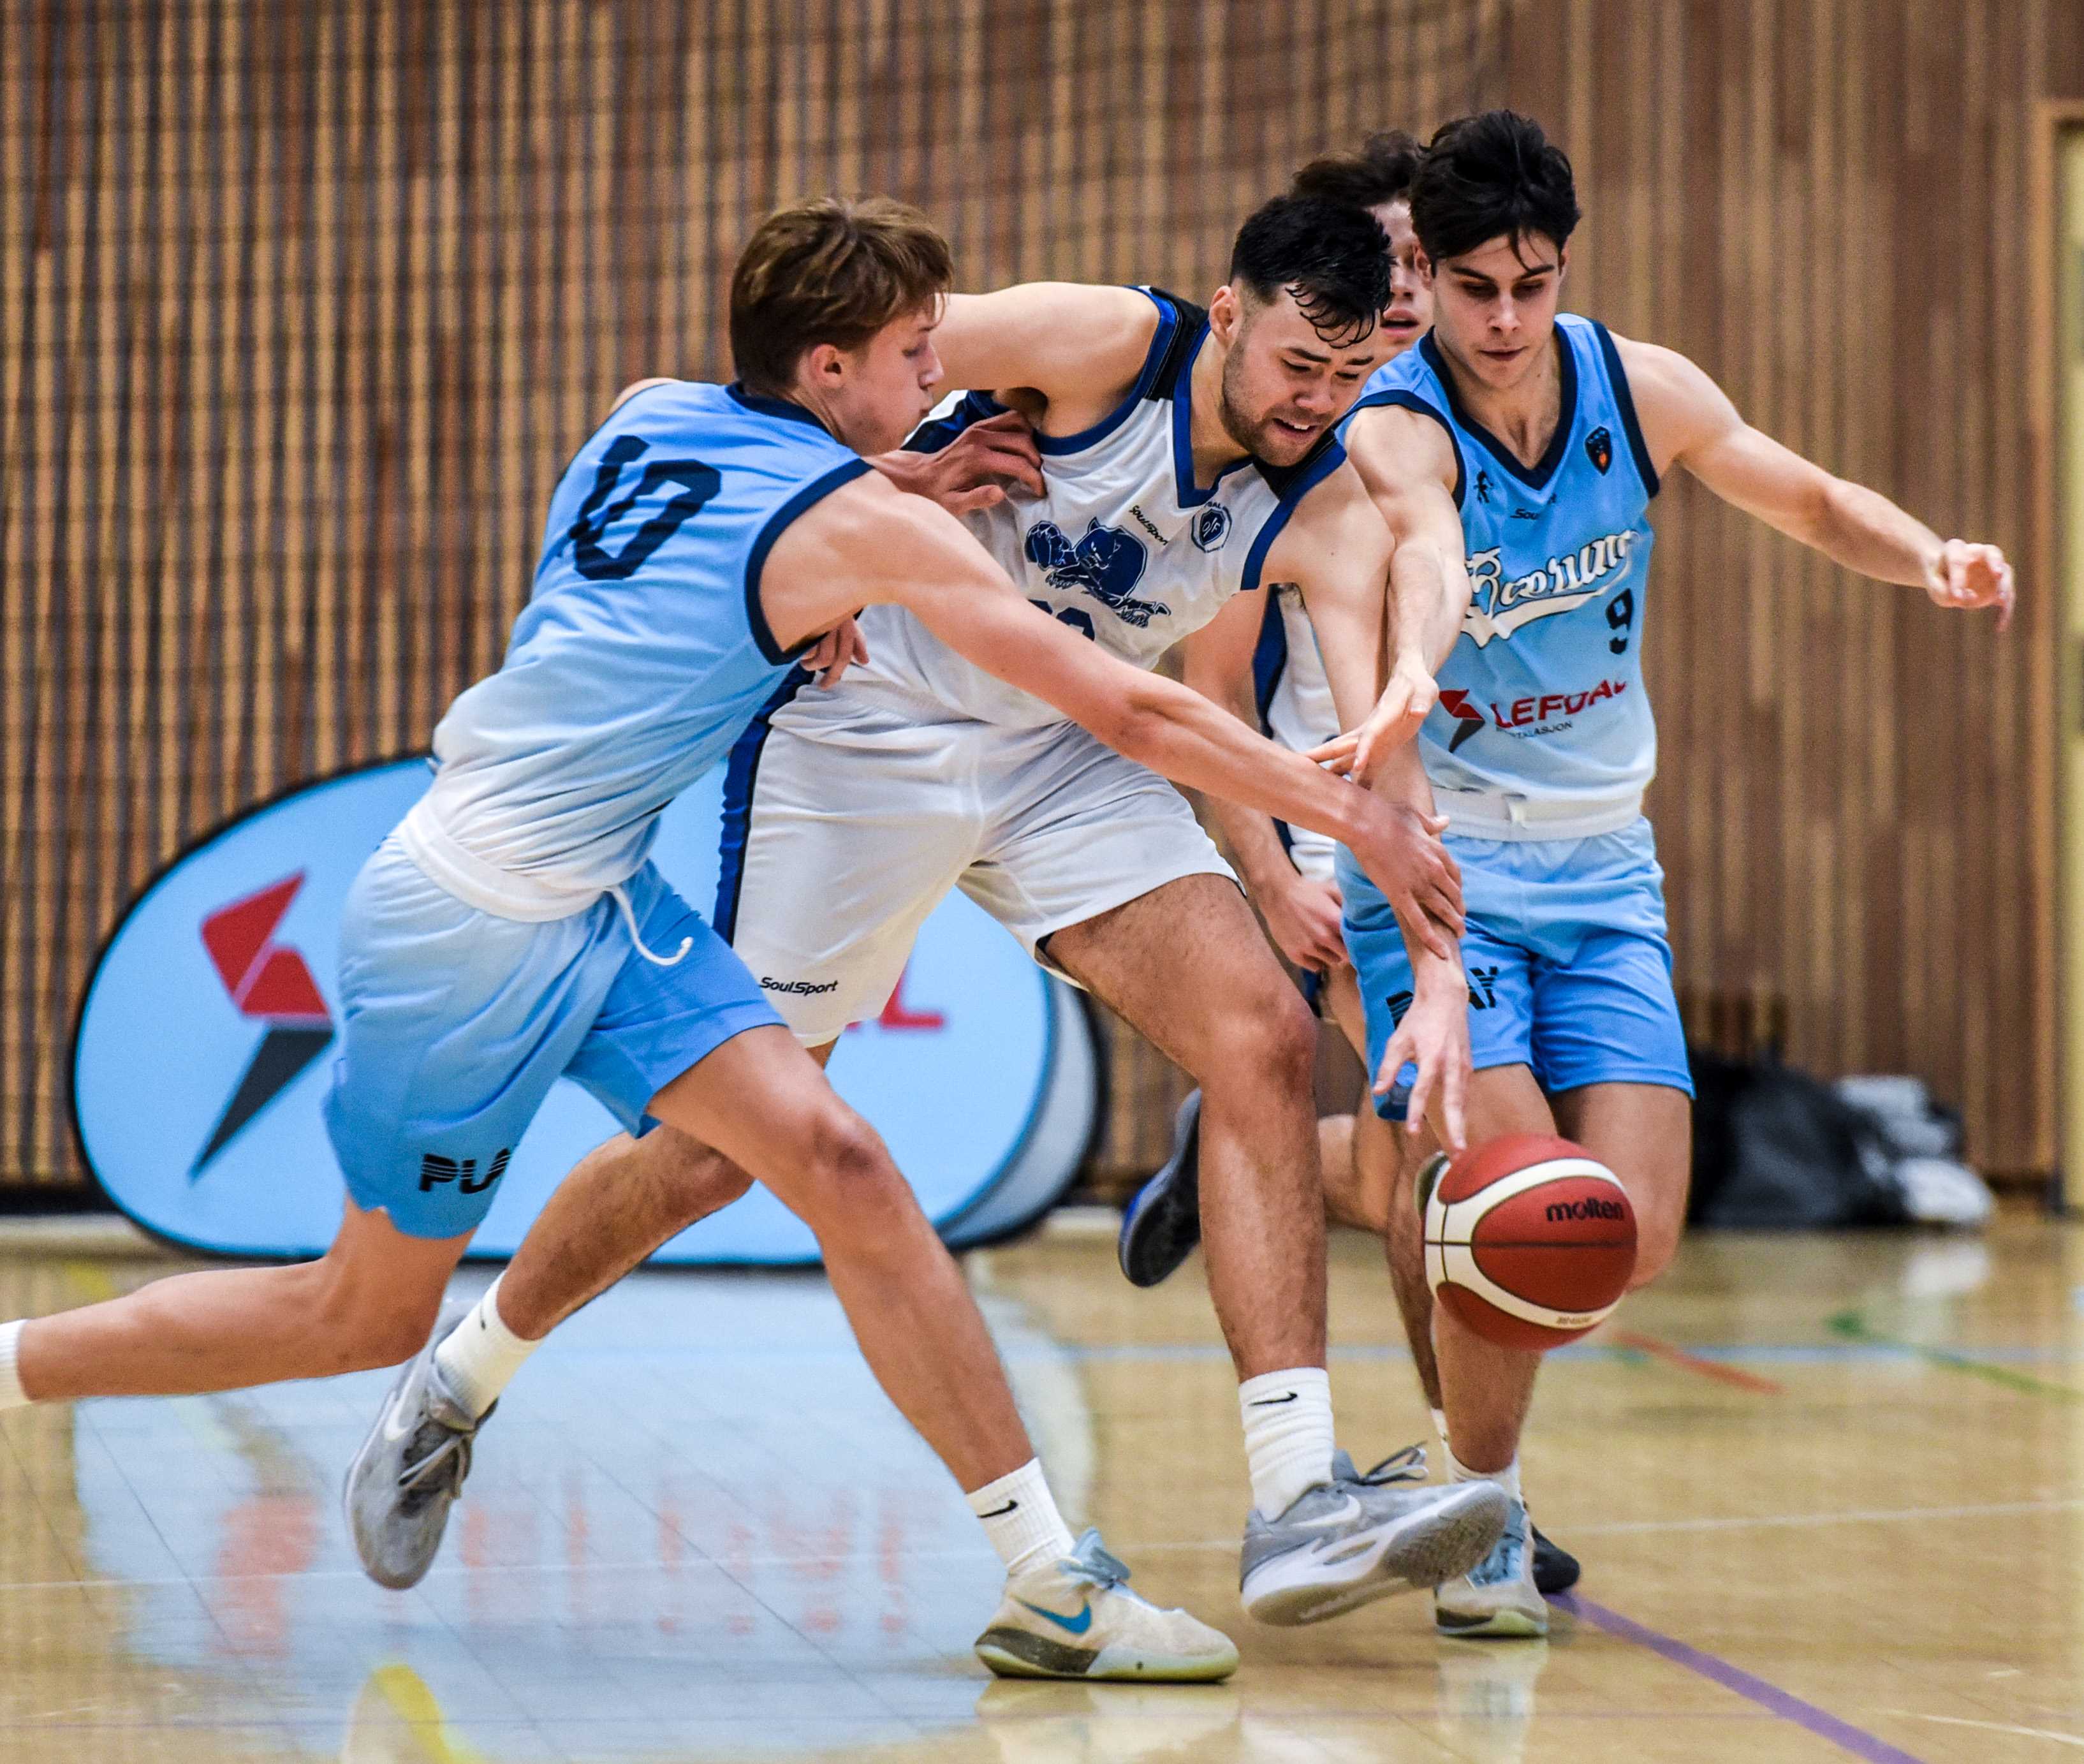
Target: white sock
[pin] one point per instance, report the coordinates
(11, 1386)
(1440, 1428)
(1019, 1515)
(1288, 1440)
(1507, 1478)
(482, 1355)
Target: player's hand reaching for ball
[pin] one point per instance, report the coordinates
(975, 470)
(1967, 577)
(1433, 1038)
(838, 650)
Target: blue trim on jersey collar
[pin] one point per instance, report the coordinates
(1154, 357)
(755, 615)
(1190, 495)
(1406, 399)
(1331, 456)
(776, 407)
(1536, 477)
(1617, 378)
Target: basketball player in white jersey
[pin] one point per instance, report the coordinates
(512, 930)
(1262, 663)
(1188, 455)
(1536, 439)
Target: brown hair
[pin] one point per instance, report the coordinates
(831, 270)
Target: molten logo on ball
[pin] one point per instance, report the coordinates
(1529, 1240)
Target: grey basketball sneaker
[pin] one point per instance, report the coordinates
(410, 1470)
(1357, 1539)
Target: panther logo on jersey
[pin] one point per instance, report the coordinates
(1106, 563)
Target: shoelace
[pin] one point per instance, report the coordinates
(621, 896)
(1091, 1561)
(1407, 1465)
(1502, 1563)
(448, 1464)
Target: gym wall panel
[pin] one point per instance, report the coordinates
(302, 306)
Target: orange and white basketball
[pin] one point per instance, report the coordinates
(1529, 1241)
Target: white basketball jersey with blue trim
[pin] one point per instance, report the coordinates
(642, 653)
(1542, 695)
(1121, 546)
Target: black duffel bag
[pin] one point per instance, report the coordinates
(1775, 1149)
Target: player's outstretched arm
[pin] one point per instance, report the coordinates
(1405, 462)
(1080, 346)
(1338, 547)
(1301, 913)
(868, 542)
(1687, 419)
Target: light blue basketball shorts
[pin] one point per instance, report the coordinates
(1570, 970)
(457, 1022)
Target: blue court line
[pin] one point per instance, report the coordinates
(1748, 1686)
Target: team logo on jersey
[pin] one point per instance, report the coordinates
(1468, 718)
(1483, 484)
(1599, 449)
(272, 983)
(1500, 604)
(1106, 563)
(1212, 527)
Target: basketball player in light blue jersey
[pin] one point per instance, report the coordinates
(1531, 442)
(512, 929)
(1188, 456)
(1264, 664)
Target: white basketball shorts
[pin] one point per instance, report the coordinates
(847, 819)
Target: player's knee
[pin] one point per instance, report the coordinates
(852, 1176)
(1268, 1041)
(357, 1326)
(1660, 1221)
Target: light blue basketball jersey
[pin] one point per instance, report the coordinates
(641, 655)
(1543, 696)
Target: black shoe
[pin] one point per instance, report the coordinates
(1555, 1570)
(1163, 1221)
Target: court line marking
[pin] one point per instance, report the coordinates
(1853, 1325)
(1692, 1362)
(1748, 1686)
(1991, 1726)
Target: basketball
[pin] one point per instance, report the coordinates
(1529, 1241)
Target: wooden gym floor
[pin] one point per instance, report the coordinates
(1826, 1491)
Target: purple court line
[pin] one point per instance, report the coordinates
(1770, 1698)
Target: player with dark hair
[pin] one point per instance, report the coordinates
(1188, 455)
(1265, 665)
(512, 929)
(1531, 442)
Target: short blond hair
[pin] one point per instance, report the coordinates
(829, 270)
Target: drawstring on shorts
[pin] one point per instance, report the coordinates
(629, 917)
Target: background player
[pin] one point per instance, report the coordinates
(1188, 455)
(1538, 440)
(512, 929)
(1263, 663)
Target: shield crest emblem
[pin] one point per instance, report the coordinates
(1599, 449)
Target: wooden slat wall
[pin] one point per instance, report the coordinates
(302, 305)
